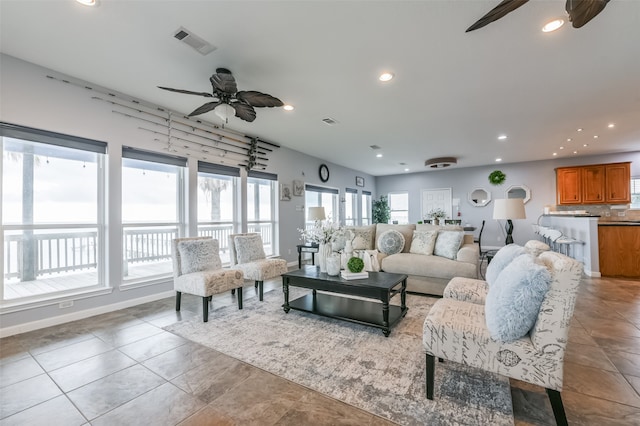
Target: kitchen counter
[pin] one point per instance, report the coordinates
(620, 223)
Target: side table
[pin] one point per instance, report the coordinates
(307, 248)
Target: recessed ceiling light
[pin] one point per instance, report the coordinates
(386, 76)
(585, 145)
(595, 136)
(611, 125)
(569, 139)
(288, 107)
(406, 170)
(562, 147)
(88, 2)
(498, 160)
(575, 152)
(502, 137)
(555, 153)
(379, 155)
(552, 25)
(580, 129)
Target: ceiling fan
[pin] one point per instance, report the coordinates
(580, 11)
(228, 100)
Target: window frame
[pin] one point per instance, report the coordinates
(392, 210)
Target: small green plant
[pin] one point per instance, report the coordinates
(381, 211)
(355, 264)
(497, 177)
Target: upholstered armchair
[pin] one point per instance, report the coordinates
(247, 254)
(197, 270)
(458, 331)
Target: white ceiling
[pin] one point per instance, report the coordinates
(453, 94)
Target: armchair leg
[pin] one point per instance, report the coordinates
(205, 309)
(178, 297)
(239, 297)
(233, 291)
(430, 374)
(260, 285)
(558, 407)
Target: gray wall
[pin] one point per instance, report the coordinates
(539, 176)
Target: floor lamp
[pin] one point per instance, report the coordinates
(509, 209)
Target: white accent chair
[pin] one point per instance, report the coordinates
(247, 254)
(456, 330)
(197, 270)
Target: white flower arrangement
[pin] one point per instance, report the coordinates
(323, 233)
(437, 214)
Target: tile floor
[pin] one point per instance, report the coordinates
(121, 368)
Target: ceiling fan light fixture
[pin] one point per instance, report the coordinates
(553, 25)
(88, 2)
(224, 111)
(441, 162)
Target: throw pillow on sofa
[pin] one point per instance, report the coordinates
(423, 242)
(448, 243)
(514, 299)
(391, 242)
(502, 258)
(362, 237)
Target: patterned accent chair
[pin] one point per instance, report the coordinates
(197, 270)
(247, 254)
(457, 331)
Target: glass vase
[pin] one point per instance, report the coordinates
(333, 264)
(324, 251)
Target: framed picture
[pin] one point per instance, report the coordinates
(359, 181)
(298, 188)
(285, 192)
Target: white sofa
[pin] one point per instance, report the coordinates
(428, 274)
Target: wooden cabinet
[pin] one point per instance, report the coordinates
(618, 247)
(594, 184)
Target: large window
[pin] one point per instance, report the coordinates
(52, 212)
(365, 206)
(635, 193)
(261, 205)
(351, 207)
(152, 212)
(319, 196)
(217, 189)
(399, 206)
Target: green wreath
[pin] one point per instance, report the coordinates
(497, 177)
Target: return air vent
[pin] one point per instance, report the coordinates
(329, 121)
(200, 45)
(374, 147)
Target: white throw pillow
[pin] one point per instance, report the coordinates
(199, 255)
(249, 248)
(363, 237)
(423, 242)
(391, 242)
(448, 244)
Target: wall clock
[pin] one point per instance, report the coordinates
(324, 172)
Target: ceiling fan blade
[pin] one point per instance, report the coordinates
(497, 12)
(209, 106)
(258, 99)
(582, 11)
(223, 82)
(244, 111)
(188, 92)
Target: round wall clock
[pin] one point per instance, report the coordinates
(324, 172)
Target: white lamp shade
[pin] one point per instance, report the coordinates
(509, 208)
(316, 213)
(224, 111)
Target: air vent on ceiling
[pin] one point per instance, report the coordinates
(329, 121)
(190, 39)
(441, 163)
(374, 147)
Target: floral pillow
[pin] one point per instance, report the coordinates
(448, 244)
(363, 237)
(391, 242)
(249, 248)
(423, 242)
(199, 255)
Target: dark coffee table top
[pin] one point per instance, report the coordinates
(378, 280)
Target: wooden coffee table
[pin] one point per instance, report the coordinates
(380, 286)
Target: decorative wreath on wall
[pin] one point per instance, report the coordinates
(497, 177)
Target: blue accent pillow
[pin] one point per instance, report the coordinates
(503, 257)
(514, 299)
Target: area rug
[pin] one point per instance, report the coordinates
(353, 363)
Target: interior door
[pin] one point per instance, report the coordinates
(436, 199)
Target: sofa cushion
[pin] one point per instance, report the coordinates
(427, 266)
(448, 243)
(429, 227)
(390, 242)
(502, 258)
(199, 255)
(363, 237)
(423, 242)
(514, 299)
(249, 248)
(406, 230)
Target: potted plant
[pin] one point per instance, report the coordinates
(437, 215)
(381, 211)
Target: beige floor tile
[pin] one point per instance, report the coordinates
(589, 411)
(591, 356)
(208, 416)
(626, 362)
(599, 383)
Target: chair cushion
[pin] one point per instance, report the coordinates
(448, 243)
(263, 269)
(199, 255)
(391, 242)
(503, 257)
(210, 282)
(423, 242)
(514, 299)
(466, 290)
(249, 248)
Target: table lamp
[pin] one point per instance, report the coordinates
(509, 209)
(316, 214)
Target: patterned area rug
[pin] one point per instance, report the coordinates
(354, 363)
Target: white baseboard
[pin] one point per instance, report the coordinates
(592, 274)
(61, 319)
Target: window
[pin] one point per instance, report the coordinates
(217, 188)
(52, 212)
(635, 193)
(320, 196)
(351, 207)
(152, 212)
(365, 205)
(399, 206)
(261, 205)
